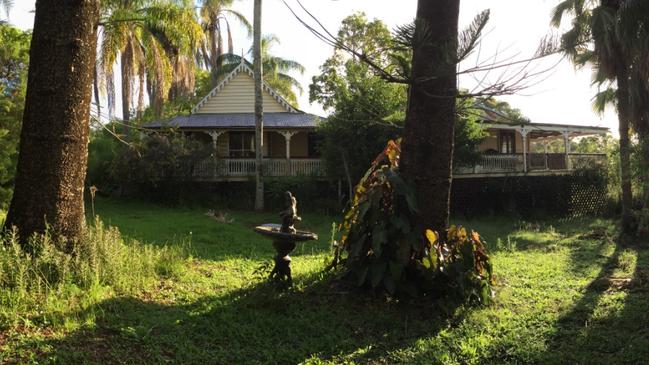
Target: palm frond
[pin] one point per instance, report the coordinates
(604, 98)
(241, 19)
(283, 65)
(289, 80)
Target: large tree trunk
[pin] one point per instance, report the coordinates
(427, 151)
(624, 115)
(54, 138)
(259, 108)
(127, 75)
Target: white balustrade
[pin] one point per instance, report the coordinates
(500, 163)
(277, 167)
(240, 167)
(514, 163)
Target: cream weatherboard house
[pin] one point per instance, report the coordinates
(225, 119)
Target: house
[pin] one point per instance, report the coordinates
(225, 118)
(514, 148)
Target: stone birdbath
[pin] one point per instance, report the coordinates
(285, 237)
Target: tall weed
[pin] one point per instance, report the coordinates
(47, 278)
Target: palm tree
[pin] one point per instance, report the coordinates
(634, 30)
(54, 137)
(277, 70)
(152, 39)
(215, 17)
(600, 36)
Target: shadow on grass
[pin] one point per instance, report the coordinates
(609, 324)
(255, 325)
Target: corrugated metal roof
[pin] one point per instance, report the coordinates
(239, 120)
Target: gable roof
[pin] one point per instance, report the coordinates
(243, 67)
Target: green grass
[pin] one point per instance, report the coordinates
(566, 294)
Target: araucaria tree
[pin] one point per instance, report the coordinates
(54, 138)
(427, 150)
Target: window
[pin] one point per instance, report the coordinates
(507, 142)
(242, 144)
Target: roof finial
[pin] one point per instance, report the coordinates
(242, 59)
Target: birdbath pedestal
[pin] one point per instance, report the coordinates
(285, 237)
(284, 244)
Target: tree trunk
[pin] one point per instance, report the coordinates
(110, 94)
(95, 86)
(259, 108)
(219, 49)
(213, 55)
(127, 75)
(140, 93)
(54, 138)
(624, 115)
(427, 150)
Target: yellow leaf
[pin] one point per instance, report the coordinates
(452, 232)
(461, 234)
(432, 236)
(475, 236)
(392, 156)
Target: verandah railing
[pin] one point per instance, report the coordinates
(235, 167)
(504, 163)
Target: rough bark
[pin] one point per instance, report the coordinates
(624, 116)
(259, 108)
(54, 138)
(427, 150)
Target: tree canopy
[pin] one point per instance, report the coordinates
(366, 110)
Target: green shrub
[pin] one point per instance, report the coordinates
(44, 274)
(384, 251)
(159, 166)
(312, 194)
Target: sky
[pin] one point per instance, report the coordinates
(562, 95)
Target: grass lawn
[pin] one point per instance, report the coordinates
(566, 294)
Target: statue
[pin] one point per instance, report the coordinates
(289, 215)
